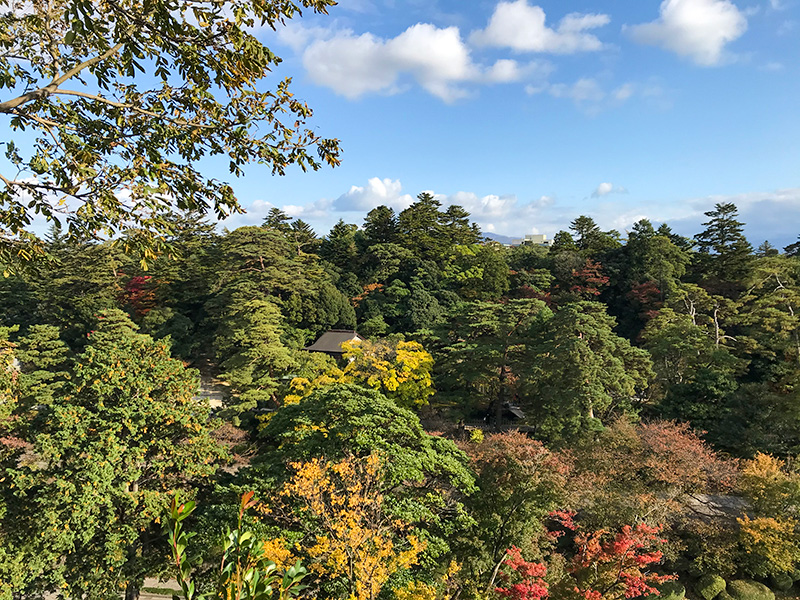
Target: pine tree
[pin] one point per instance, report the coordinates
(724, 251)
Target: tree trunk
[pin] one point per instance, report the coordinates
(132, 592)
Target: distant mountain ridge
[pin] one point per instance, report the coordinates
(503, 239)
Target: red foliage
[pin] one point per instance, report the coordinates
(140, 294)
(532, 585)
(606, 566)
(600, 566)
(587, 281)
(647, 297)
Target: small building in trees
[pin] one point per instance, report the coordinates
(330, 342)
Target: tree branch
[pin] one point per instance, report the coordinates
(9, 105)
(124, 105)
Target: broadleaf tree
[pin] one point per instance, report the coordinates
(124, 99)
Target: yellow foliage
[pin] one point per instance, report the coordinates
(416, 590)
(401, 370)
(353, 538)
(773, 540)
(276, 551)
(772, 489)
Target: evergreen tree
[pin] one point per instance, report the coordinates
(793, 249)
(724, 251)
(277, 219)
(83, 503)
(44, 365)
(586, 232)
(421, 229)
(339, 246)
(581, 373)
(457, 227)
(380, 226)
(485, 352)
(251, 354)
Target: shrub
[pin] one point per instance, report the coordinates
(747, 589)
(709, 586)
(781, 582)
(671, 590)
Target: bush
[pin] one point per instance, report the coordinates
(709, 586)
(671, 590)
(747, 589)
(781, 582)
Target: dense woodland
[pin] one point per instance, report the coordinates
(658, 375)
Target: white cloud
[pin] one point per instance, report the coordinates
(521, 27)
(377, 192)
(438, 59)
(590, 96)
(582, 91)
(695, 29)
(606, 188)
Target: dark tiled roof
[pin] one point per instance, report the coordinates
(331, 341)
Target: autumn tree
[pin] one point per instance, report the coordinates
(519, 482)
(82, 504)
(399, 369)
(770, 534)
(114, 157)
(348, 531)
(423, 475)
(644, 472)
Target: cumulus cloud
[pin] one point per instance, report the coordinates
(377, 192)
(437, 58)
(695, 29)
(606, 188)
(522, 28)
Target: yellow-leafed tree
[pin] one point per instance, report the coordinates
(400, 370)
(339, 506)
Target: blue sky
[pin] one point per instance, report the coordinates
(531, 113)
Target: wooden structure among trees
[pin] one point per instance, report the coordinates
(330, 342)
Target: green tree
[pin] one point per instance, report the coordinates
(380, 226)
(457, 227)
(277, 219)
(478, 272)
(421, 229)
(339, 246)
(586, 232)
(251, 354)
(44, 365)
(81, 280)
(83, 504)
(724, 252)
(793, 249)
(113, 156)
(485, 351)
(423, 475)
(582, 373)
